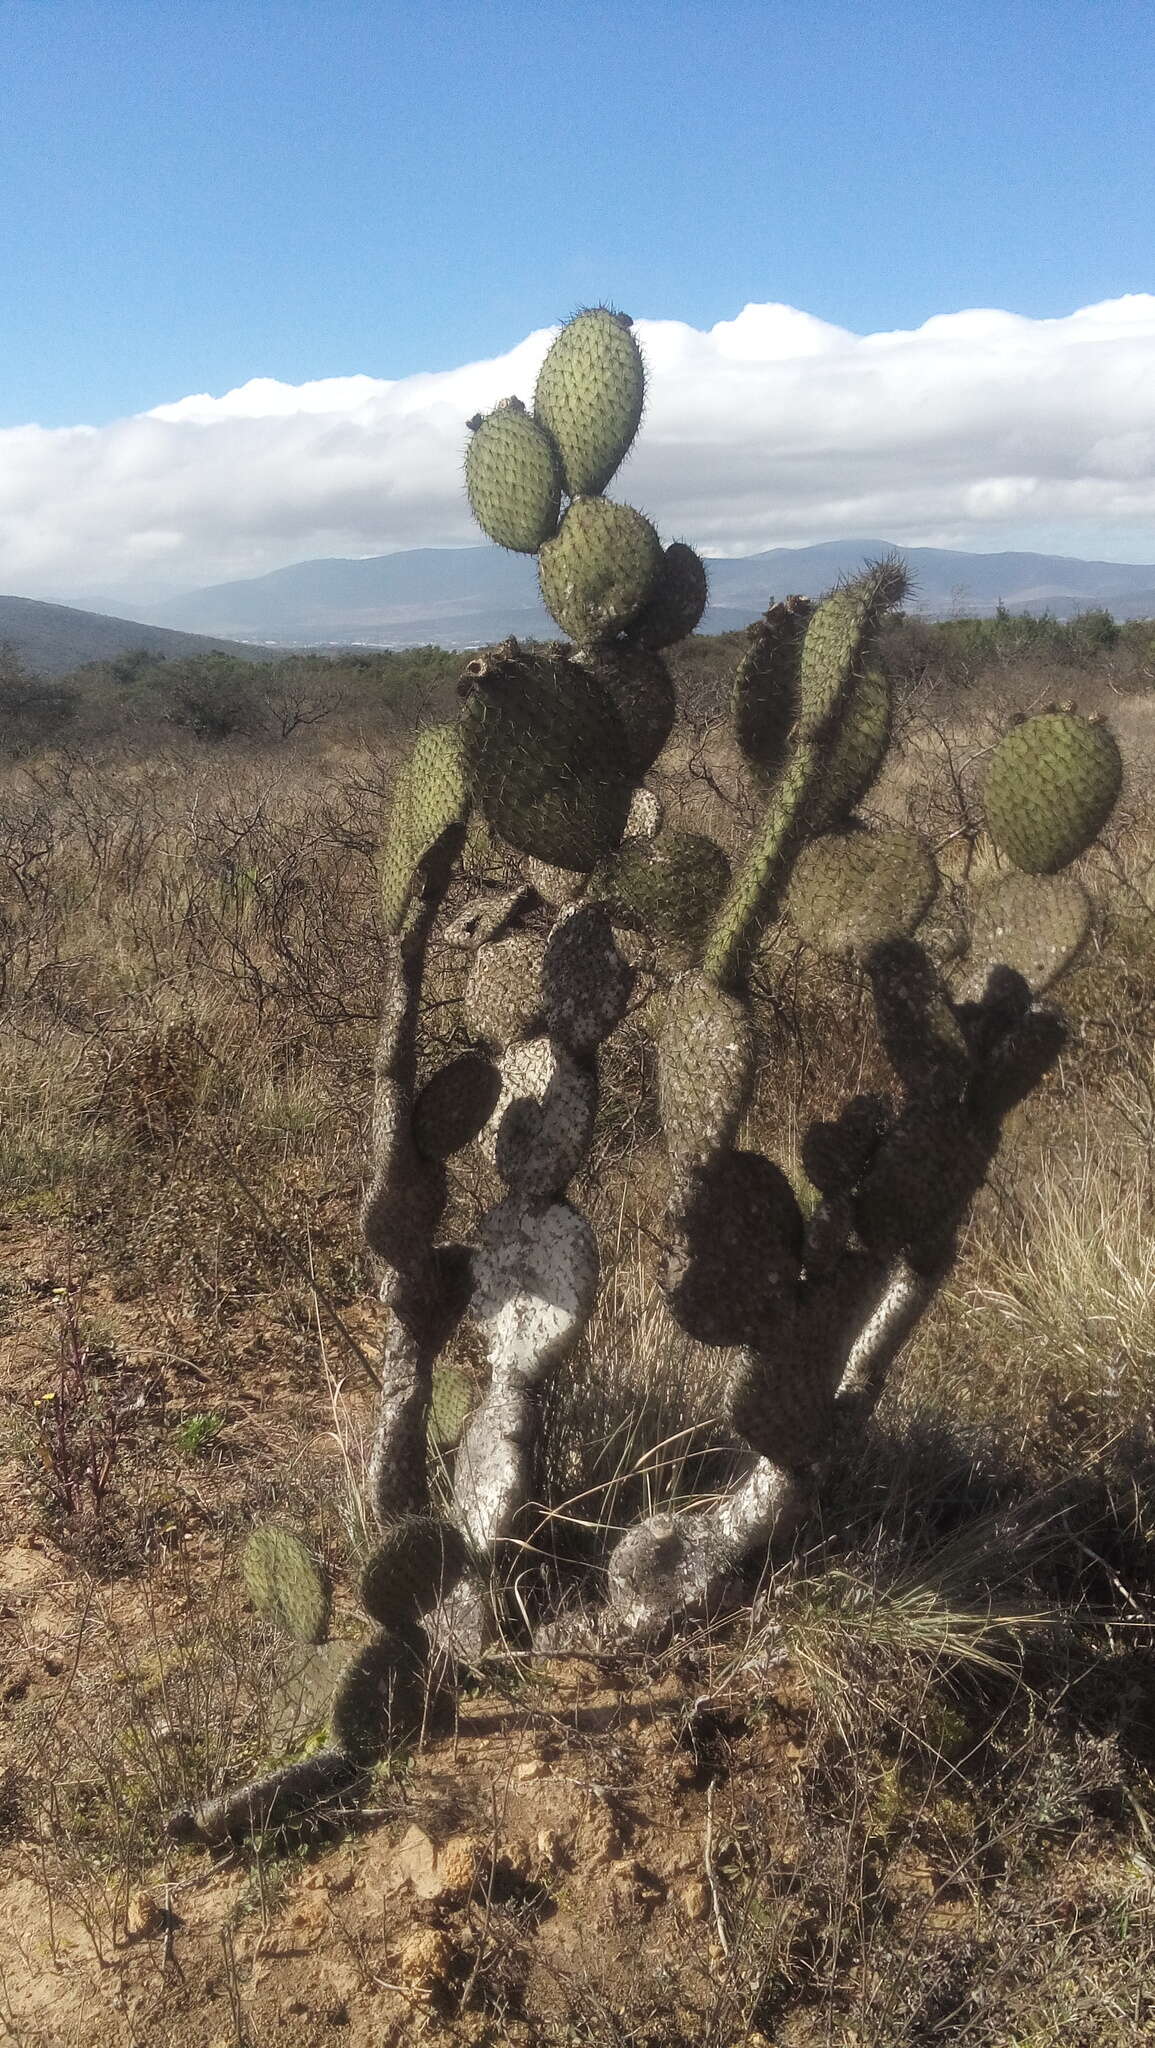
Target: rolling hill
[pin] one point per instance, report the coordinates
(50, 639)
(466, 597)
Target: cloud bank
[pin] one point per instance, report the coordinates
(981, 430)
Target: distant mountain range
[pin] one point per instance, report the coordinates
(468, 597)
(50, 639)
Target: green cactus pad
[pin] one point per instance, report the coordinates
(395, 865)
(1034, 924)
(676, 602)
(852, 890)
(438, 791)
(451, 1403)
(286, 1584)
(599, 570)
(670, 886)
(1050, 788)
(380, 1697)
(513, 477)
(705, 1067)
(547, 756)
(641, 690)
(839, 640)
(454, 1104)
(735, 1249)
(503, 997)
(415, 1564)
(766, 687)
(589, 396)
(857, 750)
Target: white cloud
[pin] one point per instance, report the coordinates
(980, 429)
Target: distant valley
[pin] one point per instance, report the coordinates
(468, 597)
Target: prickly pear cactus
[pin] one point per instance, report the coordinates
(542, 778)
(286, 1584)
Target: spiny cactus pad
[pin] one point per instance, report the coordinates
(766, 687)
(380, 1698)
(503, 999)
(454, 1104)
(782, 1399)
(286, 1584)
(1050, 788)
(675, 605)
(851, 890)
(839, 640)
(599, 569)
(513, 477)
(535, 1284)
(858, 749)
(836, 1155)
(585, 980)
(540, 1129)
(670, 886)
(734, 1250)
(413, 1566)
(451, 1403)
(1034, 924)
(641, 690)
(438, 794)
(547, 756)
(705, 1067)
(589, 396)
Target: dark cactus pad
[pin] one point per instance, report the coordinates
(415, 1564)
(735, 1246)
(454, 1104)
(547, 756)
(670, 886)
(766, 687)
(380, 1698)
(677, 601)
(641, 690)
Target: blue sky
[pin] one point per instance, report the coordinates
(197, 195)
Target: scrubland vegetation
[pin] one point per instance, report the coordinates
(905, 1796)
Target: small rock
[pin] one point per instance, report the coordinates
(459, 1866)
(427, 1958)
(146, 1916)
(695, 1901)
(533, 1768)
